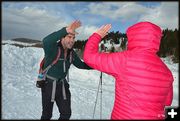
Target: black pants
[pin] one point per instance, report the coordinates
(64, 106)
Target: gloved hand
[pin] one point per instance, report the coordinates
(40, 84)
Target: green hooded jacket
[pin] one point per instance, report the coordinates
(50, 46)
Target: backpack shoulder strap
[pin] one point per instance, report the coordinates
(70, 60)
(54, 62)
(41, 65)
(71, 57)
(57, 56)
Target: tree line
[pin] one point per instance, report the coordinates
(169, 43)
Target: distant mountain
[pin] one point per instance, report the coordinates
(23, 42)
(26, 40)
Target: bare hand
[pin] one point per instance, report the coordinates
(73, 26)
(103, 30)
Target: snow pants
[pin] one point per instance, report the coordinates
(64, 105)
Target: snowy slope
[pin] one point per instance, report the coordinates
(22, 100)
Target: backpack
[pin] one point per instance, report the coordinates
(42, 72)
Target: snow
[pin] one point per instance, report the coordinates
(22, 100)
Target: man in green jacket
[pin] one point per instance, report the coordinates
(56, 87)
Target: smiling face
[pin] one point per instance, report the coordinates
(68, 41)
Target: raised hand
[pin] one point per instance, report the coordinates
(103, 30)
(73, 26)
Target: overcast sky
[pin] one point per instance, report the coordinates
(35, 20)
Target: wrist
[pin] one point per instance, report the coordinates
(97, 35)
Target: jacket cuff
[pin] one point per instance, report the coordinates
(97, 35)
(62, 32)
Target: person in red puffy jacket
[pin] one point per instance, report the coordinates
(144, 84)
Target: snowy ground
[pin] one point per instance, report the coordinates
(22, 100)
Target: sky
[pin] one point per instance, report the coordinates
(35, 20)
(22, 100)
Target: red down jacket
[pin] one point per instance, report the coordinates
(143, 85)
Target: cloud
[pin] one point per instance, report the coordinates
(85, 32)
(32, 22)
(119, 10)
(36, 23)
(166, 15)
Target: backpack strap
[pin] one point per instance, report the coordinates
(54, 62)
(41, 65)
(71, 58)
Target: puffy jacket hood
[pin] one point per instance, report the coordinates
(144, 36)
